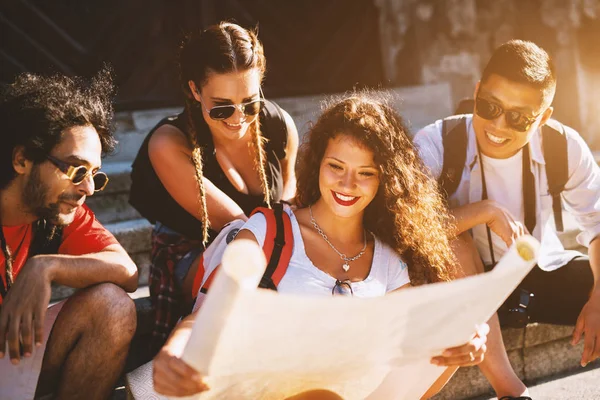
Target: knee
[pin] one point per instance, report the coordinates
(111, 310)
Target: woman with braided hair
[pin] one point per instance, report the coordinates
(228, 152)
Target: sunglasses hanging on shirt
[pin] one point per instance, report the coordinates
(342, 288)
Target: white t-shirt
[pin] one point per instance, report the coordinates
(504, 182)
(388, 270)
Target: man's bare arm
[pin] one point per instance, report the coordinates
(24, 308)
(488, 212)
(470, 215)
(112, 264)
(588, 322)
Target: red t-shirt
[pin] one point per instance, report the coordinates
(83, 236)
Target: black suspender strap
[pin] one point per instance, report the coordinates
(484, 196)
(529, 197)
(529, 201)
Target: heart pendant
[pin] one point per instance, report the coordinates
(346, 267)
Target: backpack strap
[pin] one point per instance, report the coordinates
(554, 143)
(231, 229)
(275, 128)
(454, 141)
(198, 279)
(278, 247)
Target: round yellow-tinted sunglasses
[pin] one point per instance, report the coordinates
(77, 174)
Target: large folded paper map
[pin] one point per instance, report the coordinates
(257, 344)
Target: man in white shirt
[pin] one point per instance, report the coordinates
(504, 162)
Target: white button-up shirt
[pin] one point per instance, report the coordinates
(581, 196)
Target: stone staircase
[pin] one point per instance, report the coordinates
(535, 351)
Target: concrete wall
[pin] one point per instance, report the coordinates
(428, 41)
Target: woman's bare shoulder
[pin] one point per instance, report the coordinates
(166, 139)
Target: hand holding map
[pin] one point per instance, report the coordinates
(254, 343)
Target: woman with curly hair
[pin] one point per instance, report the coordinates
(228, 152)
(368, 223)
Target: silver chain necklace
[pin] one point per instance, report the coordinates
(346, 265)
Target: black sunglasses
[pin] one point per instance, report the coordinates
(343, 288)
(79, 173)
(249, 109)
(514, 119)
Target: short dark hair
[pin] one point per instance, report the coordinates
(523, 62)
(35, 110)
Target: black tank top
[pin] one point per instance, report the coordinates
(151, 199)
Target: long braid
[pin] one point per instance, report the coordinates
(198, 166)
(260, 159)
(258, 140)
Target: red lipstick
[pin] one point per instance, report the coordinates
(343, 202)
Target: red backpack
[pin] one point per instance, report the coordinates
(278, 247)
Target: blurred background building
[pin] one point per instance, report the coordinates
(312, 46)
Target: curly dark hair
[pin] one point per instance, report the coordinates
(35, 110)
(407, 212)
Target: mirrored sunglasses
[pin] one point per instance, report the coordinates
(78, 174)
(249, 109)
(514, 119)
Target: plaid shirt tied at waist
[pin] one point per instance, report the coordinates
(166, 294)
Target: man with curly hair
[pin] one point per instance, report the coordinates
(55, 130)
(509, 183)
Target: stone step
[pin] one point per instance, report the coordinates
(134, 235)
(535, 352)
(580, 384)
(112, 204)
(131, 129)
